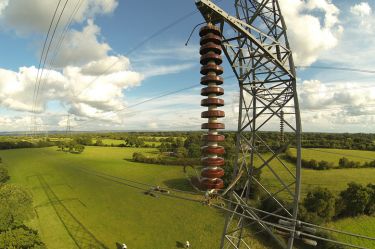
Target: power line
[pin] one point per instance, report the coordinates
(144, 101)
(153, 98)
(140, 44)
(49, 46)
(148, 187)
(170, 93)
(339, 69)
(143, 42)
(61, 39)
(44, 45)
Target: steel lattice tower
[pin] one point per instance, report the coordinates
(256, 46)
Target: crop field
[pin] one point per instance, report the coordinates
(334, 155)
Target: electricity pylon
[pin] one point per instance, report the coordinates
(256, 46)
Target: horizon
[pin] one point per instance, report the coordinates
(151, 62)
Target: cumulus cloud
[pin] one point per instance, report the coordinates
(85, 94)
(85, 78)
(25, 17)
(357, 47)
(339, 103)
(80, 47)
(362, 9)
(3, 5)
(363, 14)
(310, 33)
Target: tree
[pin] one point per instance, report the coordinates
(370, 207)
(343, 162)
(355, 199)
(322, 165)
(16, 206)
(21, 237)
(320, 201)
(99, 142)
(194, 151)
(4, 176)
(181, 152)
(84, 140)
(79, 148)
(228, 178)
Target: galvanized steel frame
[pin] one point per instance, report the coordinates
(257, 48)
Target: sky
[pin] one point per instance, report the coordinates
(147, 63)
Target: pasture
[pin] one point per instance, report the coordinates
(77, 204)
(97, 198)
(334, 155)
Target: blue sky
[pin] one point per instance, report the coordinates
(322, 33)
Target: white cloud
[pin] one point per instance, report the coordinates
(81, 47)
(357, 45)
(311, 34)
(25, 17)
(166, 69)
(166, 59)
(3, 5)
(338, 104)
(153, 125)
(21, 123)
(363, 14)
(86, 94)
(362, 9)
(111, 63)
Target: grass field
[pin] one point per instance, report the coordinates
(78, 202)
(108, 141)
(334, 155)
(79, 206)
(363, 225)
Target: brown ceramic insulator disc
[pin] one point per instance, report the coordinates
(213, 126)
(211, 57)
(216, 183)
(213, 150)
(212, 68)
(212, 90)
(213, 138)
(212, 173)
(209, 28)
(212, 101)
(212, 161)
(210, 38)
(213, 114)
(210, 47)
(207, 79)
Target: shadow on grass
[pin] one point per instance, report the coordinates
(179, 244)
(118, 245)
(179, 184)
(80, 234)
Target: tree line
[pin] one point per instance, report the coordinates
(16, 208)
(343, 163)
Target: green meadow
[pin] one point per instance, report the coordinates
(334, 155)
(78, 205)
(98, 198)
